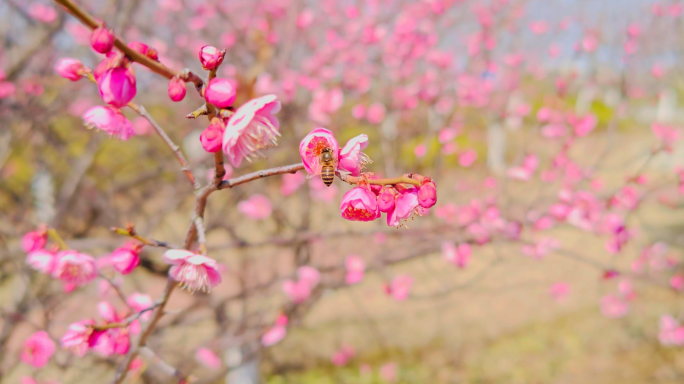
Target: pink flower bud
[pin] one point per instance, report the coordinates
(104, 65)
(220, 92)
(359, 204)
(126, 258)
(102, 39)
(117, 86)
(110, 120)
(176, 89)
(69, 68)
(210, 57)
(34, 240)
(386, 199)
(427, 194)
(212, 136)
(144, 49)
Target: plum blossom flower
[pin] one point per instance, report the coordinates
(312, 146)
(359, 204)
(388, 372)
(110, 120)
(275, 334)
(291, 182)
(79, 337)
(41, 260)
(34, 240)
(405, 206)
(73, 267)
(376, 113)
(400, 287)
(252, 128)
(666, 134)
(300, 291)
(111, 341)
(526, 170)
(541, 248)
(102, 39)
(210, 57)
(126, 259)
(117, 85)
(386, 199)
(342, 357)
(257, 207)
(614, 307)
(176, 89)
(457, 255)
(467, 158)
(324, 104)
(356, 268)
(220, 92)
(351, 159)
(144, 49)
(42, 13)
(70, 68)
(193, 271)
(559, 291)
(140, 302)
(38, 349)
(208, 358)
(212, 136)
(427, 194)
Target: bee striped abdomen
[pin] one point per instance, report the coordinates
(327, 174)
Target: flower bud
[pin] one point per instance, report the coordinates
(117, 86)
(220, 92)
(212, 136)
(126, 258)
(34, 240)
(144, 49)
(102, 39)
(176, 89)
(386, 199)
(210, 57)
(427, 194)
(69, 68)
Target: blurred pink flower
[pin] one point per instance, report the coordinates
(342, 357)
(79, 337)
(388, 372)
(677, 282)
(305, 18)
(7, 89)
(589, 43)
(356, 268)
(359, 204)
(42, 13)
(208, 358)
(257, 207)
(539, 27)
(70, 68)
(456, 255)
(194, 271)
(559, 291)
(400, 287)
(376, 113)
(583, 126)
(34, 240)
(666, 134)
(291, 182)
(614, 307)
(110, 120)
(274, 335)
(671, 333)
(38, 349)
(126, 259)
(251, 129)
(467, 158)
(41, 260)
(541, 248)
(140, 302)
(319, 191)
(359, 111)
(526, 170)
(420, 150)
(74, 268)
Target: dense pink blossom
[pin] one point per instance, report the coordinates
(257, 207)
(251, 129)
(194, 271)
(220, 92)
(34, 240)
(69, 68)
(311, 147)
(210, 57)
(126, 258)
(117, 86)
(351, 159)
(110, 120)
(102, 39)
(38, 349)
(212, 136)
(359, 204)
(73, 267)
(79, 337)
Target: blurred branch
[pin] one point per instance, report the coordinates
(130, 231)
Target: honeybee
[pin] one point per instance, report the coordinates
(327, 159)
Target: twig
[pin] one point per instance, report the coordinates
(130, 232)
(57, 238)
(126, 322)
(120, 294)
(201, 235)
(164, 366)
(260, 175)
(140, 110)
(396, 180)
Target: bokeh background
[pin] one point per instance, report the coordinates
(460, 91)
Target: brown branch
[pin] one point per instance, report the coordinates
(155, 66)
(260, 175)
(126, 322)
(140, 110)
(130, 232)
(406, 179)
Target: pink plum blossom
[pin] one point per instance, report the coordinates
(376, 113)
(38, 349)
(559, 291)
(666, 134)
(212, 136)
(342, 356)
(117, 86)
(351, 159)
(220, 92)
(359, 204)
(73, 267)
(671, 333)
(34, 240)
(102, 39)
(126, 259)
(388, 372)
(467, 158)
(210, 57)
(400, 287)
(79, 337)
(110, 120)
(194, 271)
(71, 69)
(251, 129)
(320, 192)
(614, 307)
(257, 207)
(42, 260)
(42, 13)
(274, 335)
(291, 182)
(176, 89)
(208, 358)
(311, 147)
(140, 302)
(457, 255)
